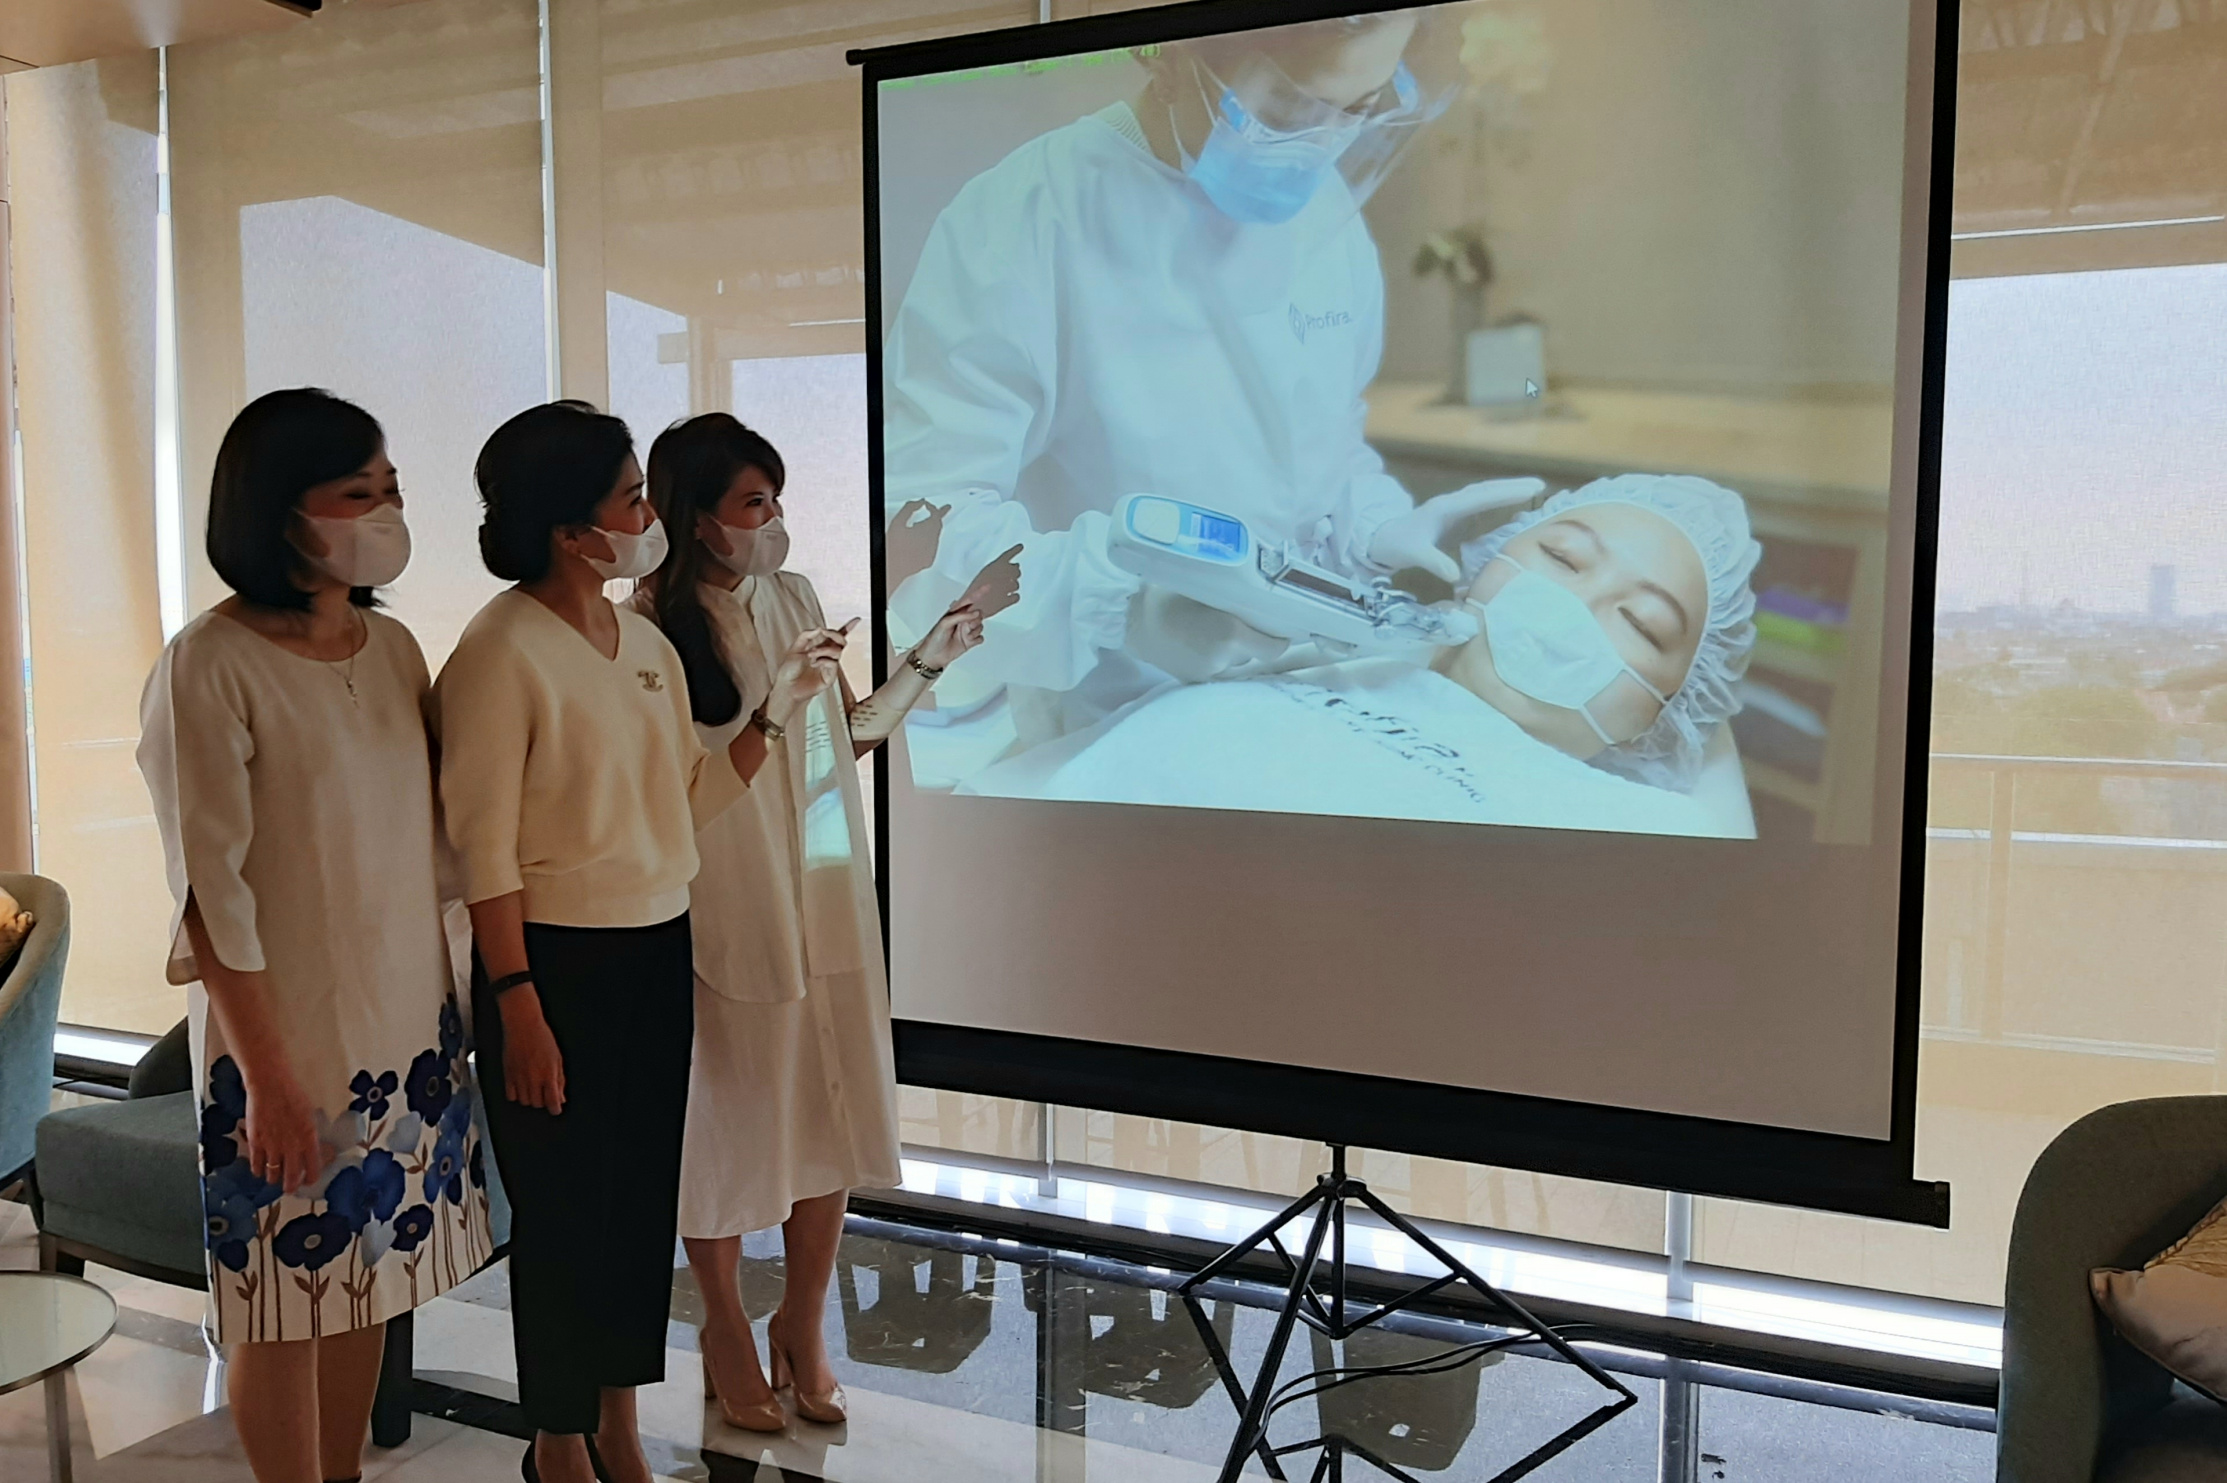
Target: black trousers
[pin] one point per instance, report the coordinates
(594, 1190)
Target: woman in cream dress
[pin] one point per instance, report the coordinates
(284, 743)
(793, 1098)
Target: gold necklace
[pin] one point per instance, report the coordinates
(346, 668)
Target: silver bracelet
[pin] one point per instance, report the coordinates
(927, 672)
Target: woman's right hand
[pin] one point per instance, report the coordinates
(807, 669)
(282, 1146)
(533, 1067)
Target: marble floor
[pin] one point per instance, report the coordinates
(984, 1361)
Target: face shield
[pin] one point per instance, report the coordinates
(1264, 120)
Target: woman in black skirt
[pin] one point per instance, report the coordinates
(574, 784)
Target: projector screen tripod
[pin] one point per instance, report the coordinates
(1327, 1313)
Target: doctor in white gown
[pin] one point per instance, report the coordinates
(1178, 296)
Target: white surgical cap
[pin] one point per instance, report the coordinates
(1668, 753)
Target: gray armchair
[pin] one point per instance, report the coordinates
(30, 997)
(2079, 1403)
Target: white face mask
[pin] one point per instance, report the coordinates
(1546, 644)
(633, 556)
(368, 551)
(757, 552)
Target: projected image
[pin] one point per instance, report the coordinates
(1440, 414)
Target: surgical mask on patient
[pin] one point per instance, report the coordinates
(757, 552)
(368, 551)
(1546, 644)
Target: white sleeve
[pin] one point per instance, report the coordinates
(194, 748)
(1370, 496)
(485, 710)
(971, 382)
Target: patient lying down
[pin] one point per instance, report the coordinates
(1616, 622)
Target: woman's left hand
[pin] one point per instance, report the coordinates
(955, 633)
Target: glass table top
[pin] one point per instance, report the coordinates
(47, 1321)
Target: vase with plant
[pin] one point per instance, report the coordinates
(1461, 258)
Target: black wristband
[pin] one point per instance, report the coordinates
(509, 981)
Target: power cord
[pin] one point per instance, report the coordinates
(1319, 1383)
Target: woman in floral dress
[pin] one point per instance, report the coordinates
(283, 739)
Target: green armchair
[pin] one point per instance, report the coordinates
(2079, 1404)
(30, 997)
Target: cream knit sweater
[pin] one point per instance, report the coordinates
(575, 778)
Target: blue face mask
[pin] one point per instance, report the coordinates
(1253, 174)
(1266, 177)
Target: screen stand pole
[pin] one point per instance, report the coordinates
(1327, 1309)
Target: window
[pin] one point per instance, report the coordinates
(359, 204)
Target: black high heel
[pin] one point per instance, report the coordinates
(531, 1470)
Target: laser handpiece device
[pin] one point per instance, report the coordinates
(1216, 559)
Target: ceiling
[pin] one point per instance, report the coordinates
(46, 33)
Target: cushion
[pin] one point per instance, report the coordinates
(125, 1178)
(2175, 1309)
(15, 925)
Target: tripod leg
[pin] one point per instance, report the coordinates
(1228, 1372)
(1549, 1337)
(1253, 1428)
(1246, 1247)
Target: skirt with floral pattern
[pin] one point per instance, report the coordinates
(397, 1215)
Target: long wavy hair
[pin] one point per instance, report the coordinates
(691, 465)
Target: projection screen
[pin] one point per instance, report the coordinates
(1448, 495)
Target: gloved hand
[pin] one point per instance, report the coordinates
(1192, 641)
(1418, 538)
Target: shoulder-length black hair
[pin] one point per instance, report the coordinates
(691, 465)
(279, 447)
(544, 470)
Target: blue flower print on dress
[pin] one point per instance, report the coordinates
(217, 1150)
(222, 1114)
(312, 1240)
(428, 1091)
(456, 1122)
(228, 1215)
(412, 1226)
(383, 1178)
(363, 1193)
(227, 1088)
(375, 1242)
(452, 1030)
(478, 1166)
(444, 1171)
(407, 1133)
(372, 1092)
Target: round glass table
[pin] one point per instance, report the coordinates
(49, 1322)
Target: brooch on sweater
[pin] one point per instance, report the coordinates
(650, 679)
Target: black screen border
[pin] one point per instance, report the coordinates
(1619, 1145)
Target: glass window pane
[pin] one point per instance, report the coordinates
(359, 208)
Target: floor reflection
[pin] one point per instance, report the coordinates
(1006, 1362)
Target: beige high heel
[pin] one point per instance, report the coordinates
(764, 1416)
(829, 1407)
